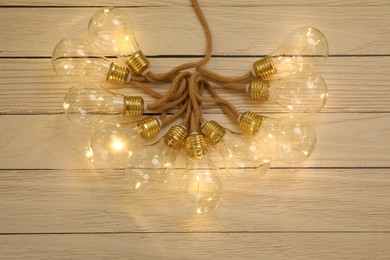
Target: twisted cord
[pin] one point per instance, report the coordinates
(187, 89)
(208, 52)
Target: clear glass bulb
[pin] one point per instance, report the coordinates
(111, 145)
(203, 183)
(242, 153)
(149, 167)
(77, 59)
(87, 104)
(302, 50)
(299, 93)
(289, 140)
(112, 33)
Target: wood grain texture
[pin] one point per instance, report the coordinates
(343, 140)
(333, 206)
(235, 29)
(355, 85)
(310, 200)
(198, 246)
(159, 3)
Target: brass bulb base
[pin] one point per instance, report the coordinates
(213, 131)
(196, 146)
(138, 63)
(250, 122)
(176, 137)
(118, 74)
(258, 89)
(149, 127)
(133, 106)
(264, 68)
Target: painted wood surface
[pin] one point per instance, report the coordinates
(199, 246)
(286, 200)
(356, 84)
(235, 29)
(335, 205)
(343, 140)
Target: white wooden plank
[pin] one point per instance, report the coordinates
(255, 30)
(159, 3)
(310, 200)
(197, 246)
(343, 140)
(330, 213)
(355, 85)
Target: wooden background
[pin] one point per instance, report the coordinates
(336, 205)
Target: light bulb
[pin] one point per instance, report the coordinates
(240, 151)
(301, 51)
(299, 93)
(149, 166)
(77, 59)
(290, 141)
(113, 34)
(88, 104)
(202, 178)
(110, 145)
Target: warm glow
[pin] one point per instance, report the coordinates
(117, 145)
(89, 153)
(285, 77)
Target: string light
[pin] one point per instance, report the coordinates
(111, 53)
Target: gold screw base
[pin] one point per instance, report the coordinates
(176, 137)
(134, 106)
(118, 74)
(250, 122)
(213, 131)
(138, 63)
(149, 127)
(258, 89)
(264, 68)
(196, 146)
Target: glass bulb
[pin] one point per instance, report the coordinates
(299, 93)
(302, 50)
(203, 184)
(113, 34)
(149, 167)
(290, 140)
(110, 145)
(202, 178)
(77, 59)
(88, 104)
(239, 151)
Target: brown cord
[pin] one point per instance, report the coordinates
(187, 115)
(173, 117)
(187, 89)
(235, 86)
(212, 76)
(209, 46)
(146, 89)
(226, 106)
(169, 105)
